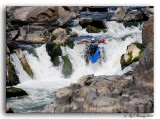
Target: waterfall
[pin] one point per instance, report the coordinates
(48, 78)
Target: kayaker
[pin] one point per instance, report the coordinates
(92, 46)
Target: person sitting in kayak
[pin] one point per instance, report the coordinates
(92, 46)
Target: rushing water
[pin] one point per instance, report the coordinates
(48, 78)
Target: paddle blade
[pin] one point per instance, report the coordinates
(80, 43)
(101, 41)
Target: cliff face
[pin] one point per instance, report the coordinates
(143, 72)
(112, 94)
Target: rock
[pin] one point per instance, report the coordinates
(33, 34)
(63, 96)
(38, 14)
(148, 32)
(54, 51)
(12, 78)
(60, 36)
(150, 10)
(9, 109)
(84, 22)
(92, 29)
(24, 62)
(67, 67)
(119, 14)
(12, 45)
(73, 8)
(14, 92)
(143, 72)
(7, 50)
(132, 55)
(79, 98)
(13, 35)
(134, 16)
(73, 34)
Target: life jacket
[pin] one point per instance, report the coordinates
(92, 46)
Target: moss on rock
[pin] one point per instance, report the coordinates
(70, 43)
(54, 50)
(92, 29)
(132, 55)
(12, 78)
(67, 67)
(27, 68)
(14, 92)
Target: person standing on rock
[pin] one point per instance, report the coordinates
(92, 46)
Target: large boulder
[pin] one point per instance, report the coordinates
(143, 72)
(84, 22)
(59, 36)
(148, 32)
(134, 16)
(54, 51)
(67, 67)
(53, 15)
(102, 94)
(132, 54)
(33, 34)
(12, 78)
(14, 92)
(119, 14)
(24, 62)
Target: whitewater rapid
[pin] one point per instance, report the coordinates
(48, 78)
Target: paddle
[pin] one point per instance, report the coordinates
(101, 41)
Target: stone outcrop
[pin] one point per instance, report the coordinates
(59, 36)
(67, 67)
(143, 72)
(84, 22)
(148, 32)
(53, 15)
(104, 94)
(119, 14)
(14, 92)
(11, 76)
(24, 62)
(54, 51)
(132, 54)
(33, 34)
(134, 16)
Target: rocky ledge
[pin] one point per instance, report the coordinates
(111, 94)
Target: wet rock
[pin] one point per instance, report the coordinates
(24, 62)
(12, 45)
(148, 32)
(119, 14)
(9, 109)
(14, 92)
(134, 16)
(92, 29)
(67, 67)
(84, 22)
(12, 35)
(12, 78)
(132, 54)
(54, 51)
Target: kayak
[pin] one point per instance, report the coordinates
(94, 57)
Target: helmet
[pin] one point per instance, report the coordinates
(92, 40)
